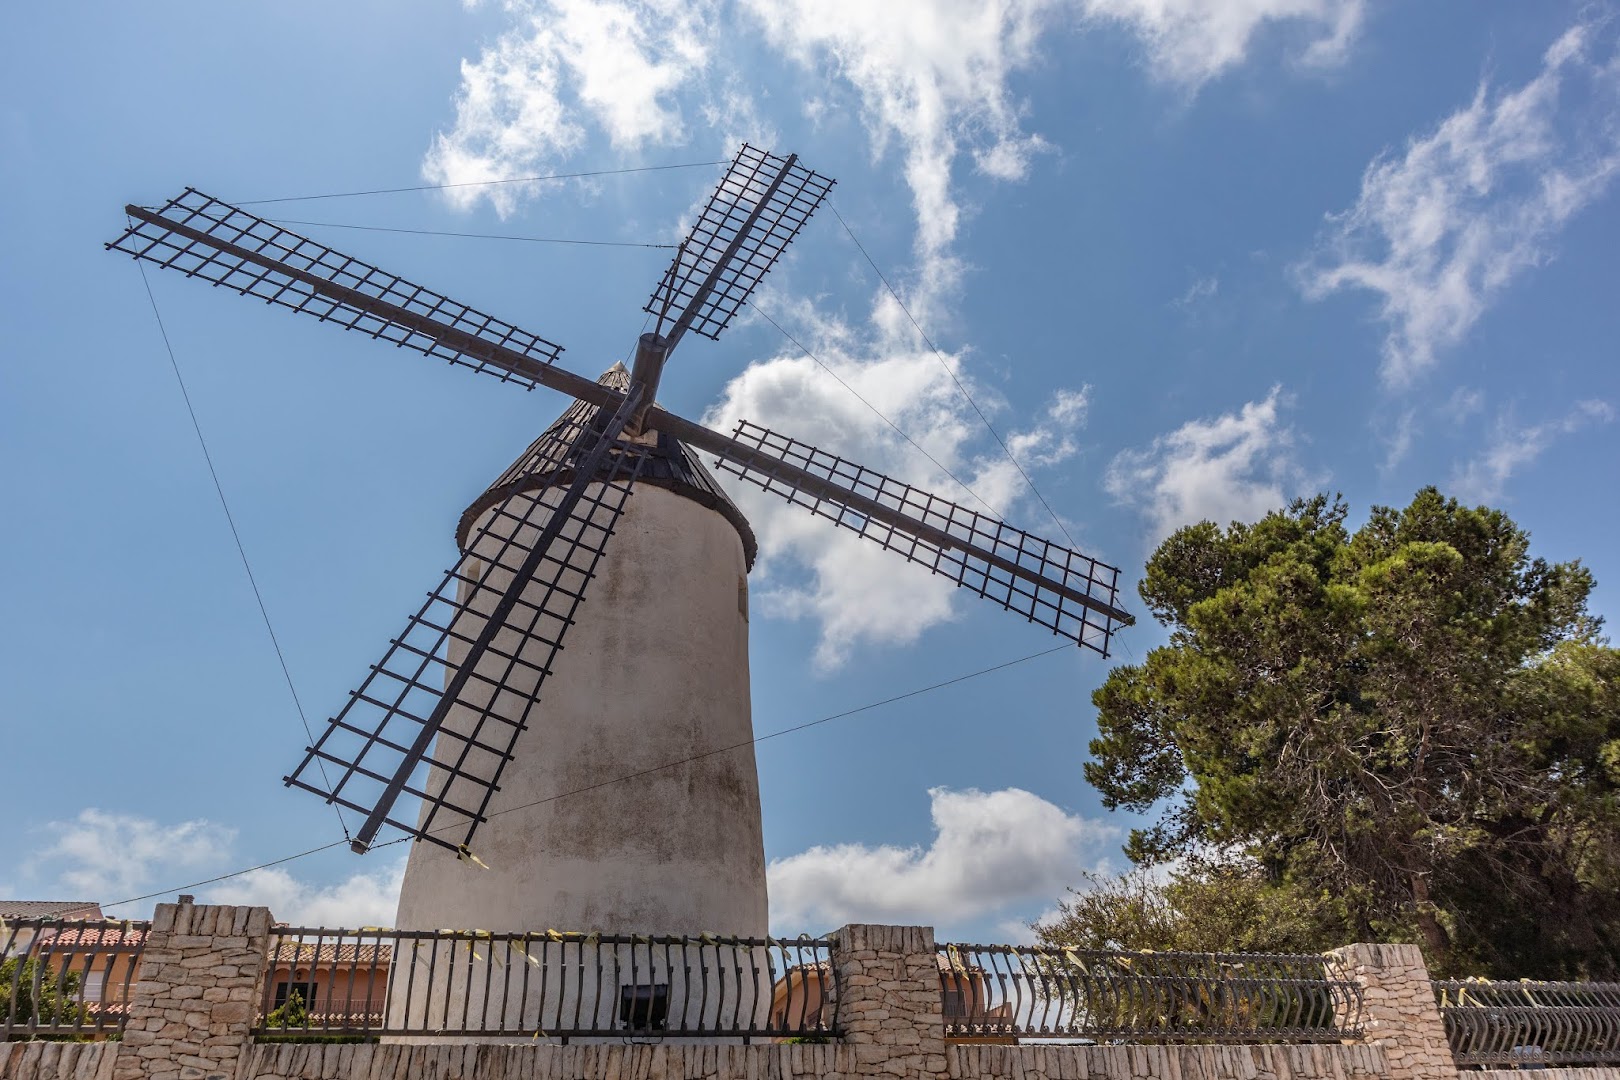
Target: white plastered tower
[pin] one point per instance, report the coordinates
(631, 803)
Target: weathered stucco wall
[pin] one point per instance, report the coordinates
(678, 849)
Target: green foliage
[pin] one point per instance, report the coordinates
(1197, 907)
(1208, 908)
(39, 995)
(1409, 732)
(291, 1013)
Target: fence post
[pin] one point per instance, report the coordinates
(889, 1001)
(1399, 1009)
(191, 1013)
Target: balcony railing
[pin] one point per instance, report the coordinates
(473, 983)
(1531, 1023)
(1017, 992)
(67, 977)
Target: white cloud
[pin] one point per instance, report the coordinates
(1464, 402)
(1398, 438)
(1237, 466)
(858, 593)
(362, 899)
(521, 103)
(105, 856)
(1440, 230)
(990, 851)
(1514, 447)
(1192, 41)
(932, 77)
(1201, 289)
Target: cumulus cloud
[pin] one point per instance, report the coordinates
(932, 78)
(1514, 447)
(1237, 466)
(362, 899)
(521, 104)
(1192, 41)
(858, 593)
(991, 851)
(103, 856)
(1441, 229)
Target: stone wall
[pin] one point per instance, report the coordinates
(58, 1061)
(191, 1012)
(611, 1061)
(204, 967)
(671, 1061)
(889, 1002)
(1319, 1061)
(1400, 1012)
(1612, 1073)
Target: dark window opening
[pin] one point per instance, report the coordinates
(306, 990)
(644, 1007)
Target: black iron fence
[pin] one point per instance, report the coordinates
(1531, 1023)
(469, 983)
(1005, 992)
(66, 977)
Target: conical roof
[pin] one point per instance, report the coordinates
(672, 466)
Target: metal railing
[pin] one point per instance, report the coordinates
(67, 977)
(1017, 992)
(469, 983)
(1531, 1023)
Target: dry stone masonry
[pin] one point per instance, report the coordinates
(889, 1002)
(1400, 1011)
(204, 967)
(193, 1008)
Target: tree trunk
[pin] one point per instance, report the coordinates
(1434, 935)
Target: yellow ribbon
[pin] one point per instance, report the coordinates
(464, 854)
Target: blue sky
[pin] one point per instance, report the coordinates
(1190, 260)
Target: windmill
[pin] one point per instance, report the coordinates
(453, 715)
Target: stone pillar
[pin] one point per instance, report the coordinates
(1399, 1010)
(192, 1010)
(889, 1001)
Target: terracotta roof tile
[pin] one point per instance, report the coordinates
(305, 952)
(49, 909)
(96, 936)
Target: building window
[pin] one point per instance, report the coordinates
(306, 990)
(644, 1007)
(94, 985)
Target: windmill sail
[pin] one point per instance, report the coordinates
(202, 237)
(464, 679)
(753, 215)
(1071, 594)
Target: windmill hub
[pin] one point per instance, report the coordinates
(652, 349)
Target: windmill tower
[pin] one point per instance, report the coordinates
(655, 672)
(495, 735)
